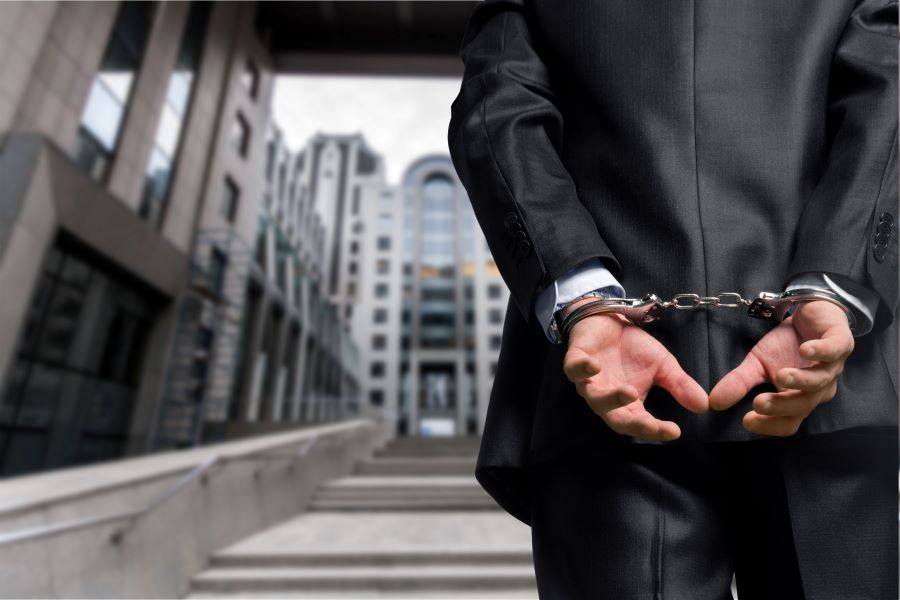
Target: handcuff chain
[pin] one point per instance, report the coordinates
(724, 299)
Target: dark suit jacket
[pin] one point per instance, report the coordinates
(699, 147)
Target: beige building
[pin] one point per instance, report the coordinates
(137, 312)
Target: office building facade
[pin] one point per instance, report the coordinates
(429, 320)
(133, 147)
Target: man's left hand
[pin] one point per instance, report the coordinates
(802, 357)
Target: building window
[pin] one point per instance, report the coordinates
(230, 198)
(250, 79)
(381, 290)
(494, 290)
(158, 177)
(379, 342)
(352, 268)
(377, 369)
(354, 247)
(380, 315)
(240, 135)
(82, 347)
(354, 206)
(110, 93)
(376, 397)
(495, 342)
(493, 369)
(495, 315)
(383, 266)
(384, 243)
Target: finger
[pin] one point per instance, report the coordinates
(737, 383)
(793, 403)
(634, 420)
(769, 425)
(836, 343)
(811, 379)
(603, 397)
(686, 391)
(578, 365)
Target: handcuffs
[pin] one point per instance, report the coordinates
(772, 306)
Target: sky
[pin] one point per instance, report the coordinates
(401, 118)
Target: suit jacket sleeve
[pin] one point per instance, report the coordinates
(848, 225)
(505, 136)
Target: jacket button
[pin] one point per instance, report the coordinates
(514, 226)
(879, 251)
(523, 248)
(886, 218)
(510, 217)
(881, 238)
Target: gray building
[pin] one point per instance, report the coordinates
(138, 309)
(429, 320)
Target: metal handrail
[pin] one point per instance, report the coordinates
(131, 516)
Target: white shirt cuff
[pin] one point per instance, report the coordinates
(590, 275)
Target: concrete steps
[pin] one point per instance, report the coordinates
(366, 493)
(406, 557)
(411, 522)
(471, 577)
(402, 465)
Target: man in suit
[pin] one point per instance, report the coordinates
(691, 147)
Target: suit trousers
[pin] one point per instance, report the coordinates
(812, 517)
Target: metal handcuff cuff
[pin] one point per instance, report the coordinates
(771, 306)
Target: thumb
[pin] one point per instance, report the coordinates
(579, 365)
(686, 391)
(737, 383)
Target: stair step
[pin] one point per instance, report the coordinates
(450, 577)
(525, 593)
(375, 557)
(398, 507)
(439, 465)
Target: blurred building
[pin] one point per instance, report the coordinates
(410, 270)
(151, 297)
(429, 317)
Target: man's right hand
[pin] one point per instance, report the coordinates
(614, 363)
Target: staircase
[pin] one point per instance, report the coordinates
(411, 522)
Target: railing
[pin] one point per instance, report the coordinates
(130, 517)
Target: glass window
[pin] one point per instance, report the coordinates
(494, 291)
(381, 290)
(379, 342)
(377, 369)
(380, 315)
(174, 112)
(376, 397)
(495, 342)
(240, 135)
(384, 243)
(110, 91)
(250, 79)
(81, 357)
(382, 266)
(495, 315)
(230, 197)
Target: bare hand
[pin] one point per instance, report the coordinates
(614, 363)
(803, 357)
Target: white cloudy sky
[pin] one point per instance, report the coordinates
(401, 118)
